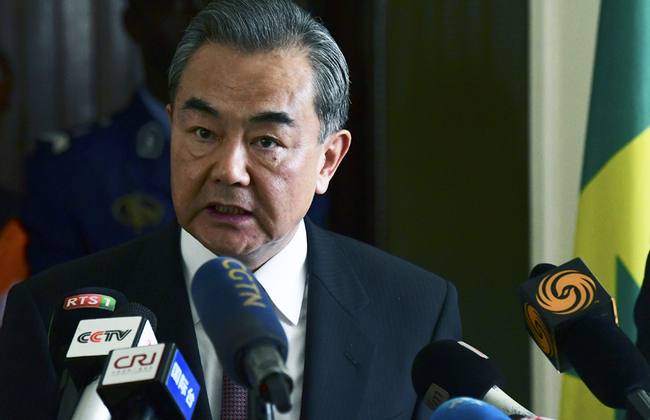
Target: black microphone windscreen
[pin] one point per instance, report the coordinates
(540, 269)
(80, 304)
(457, 368)
(137, 309)
(605, 359)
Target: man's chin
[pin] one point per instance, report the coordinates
(230, 244)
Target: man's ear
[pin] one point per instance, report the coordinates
(334, 150)
(169, 113)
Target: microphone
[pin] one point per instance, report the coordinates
(537, 418)
(555, 297)
(148, 382)
(85, 303)
(607, 361)
(447, 369)
(588, 338)
(238, 316)
(465, 408)
(131, 325)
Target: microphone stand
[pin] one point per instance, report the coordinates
(258, 409)
(638, 405)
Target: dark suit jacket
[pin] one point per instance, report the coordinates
(369, 313)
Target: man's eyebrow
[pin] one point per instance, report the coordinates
(273, 117)
(277, 117)
(200, 105)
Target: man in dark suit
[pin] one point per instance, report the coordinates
(259, 98)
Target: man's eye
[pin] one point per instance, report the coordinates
(203, 133)
(267, 142)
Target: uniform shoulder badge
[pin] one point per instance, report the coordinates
(59, 141)
(150, 140)
(138, 211)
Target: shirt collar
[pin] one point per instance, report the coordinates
(283, 276)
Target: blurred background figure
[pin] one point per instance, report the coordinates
(13, 238)
(99, 185)
(6, 84)
(9, 201)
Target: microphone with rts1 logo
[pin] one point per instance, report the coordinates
(86, 303)
(80, 304)
(250, 342)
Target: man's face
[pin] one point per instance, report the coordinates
(245, 158)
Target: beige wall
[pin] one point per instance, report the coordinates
(562, 46)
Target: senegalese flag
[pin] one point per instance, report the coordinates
(613, 226)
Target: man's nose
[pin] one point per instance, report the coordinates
(231, 163)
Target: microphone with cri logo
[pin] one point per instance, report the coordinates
(148, 382)
(555, 298)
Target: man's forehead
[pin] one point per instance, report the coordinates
(209, 66)
(214, 59)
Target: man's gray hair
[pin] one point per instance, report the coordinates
(271, 25)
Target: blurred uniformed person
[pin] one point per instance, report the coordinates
(95, 187)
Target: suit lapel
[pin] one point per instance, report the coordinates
(161, 265)
(338, 355)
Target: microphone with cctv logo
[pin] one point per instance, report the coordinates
(147, 383)
(238, 317)
(131, 325)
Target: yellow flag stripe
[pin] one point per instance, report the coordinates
(613, 221)
(614, 215)
(582, 405)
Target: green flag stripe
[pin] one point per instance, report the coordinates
(626, 293)
(620, 97)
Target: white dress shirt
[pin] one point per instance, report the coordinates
(284, 277)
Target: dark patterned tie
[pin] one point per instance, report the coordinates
(234, 400)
